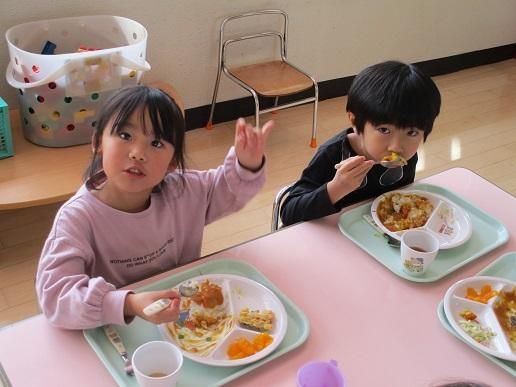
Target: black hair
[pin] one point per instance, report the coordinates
(167, 121)
(394, 93)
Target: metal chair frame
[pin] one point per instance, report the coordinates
(276, 206)
(223, 44)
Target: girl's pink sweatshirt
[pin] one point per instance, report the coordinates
(94, 249)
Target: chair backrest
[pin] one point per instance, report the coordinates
(276, 206)
(281, 33)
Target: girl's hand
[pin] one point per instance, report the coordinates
(348, 178)
(136, 302)
(250, 143)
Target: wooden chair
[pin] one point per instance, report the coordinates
(272, 78)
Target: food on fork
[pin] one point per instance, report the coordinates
(395, 157)
(256, 320)
(398, 211)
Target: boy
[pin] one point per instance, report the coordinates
(392, 107)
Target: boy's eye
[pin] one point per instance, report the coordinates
(157, 144)
(414, 132)
(384, 130)
(124, 135)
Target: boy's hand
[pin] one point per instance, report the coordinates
(250, 143)
(348, 178)
(135, 303)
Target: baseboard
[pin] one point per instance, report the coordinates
(229, 110)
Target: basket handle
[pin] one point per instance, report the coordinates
(69, 66)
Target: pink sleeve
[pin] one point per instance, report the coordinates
(68, 297)
(232, 186)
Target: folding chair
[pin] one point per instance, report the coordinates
(272, 78)
(276, 206)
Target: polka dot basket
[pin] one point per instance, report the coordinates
(64, 69)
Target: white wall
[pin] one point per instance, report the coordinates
(328, 38)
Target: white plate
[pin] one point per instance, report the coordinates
(448, 222)
(455, 302)
(239, 292)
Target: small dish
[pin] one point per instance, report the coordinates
(493, 340)
(447, 221)
(239, 293)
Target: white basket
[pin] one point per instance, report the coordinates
(60, 94)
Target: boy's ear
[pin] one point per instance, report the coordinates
(351, 118)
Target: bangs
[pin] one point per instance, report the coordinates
(157, 106)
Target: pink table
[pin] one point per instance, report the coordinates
(382, 330)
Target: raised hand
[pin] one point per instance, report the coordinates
(348, 177)
(250, 143)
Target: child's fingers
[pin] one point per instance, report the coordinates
(266, 130)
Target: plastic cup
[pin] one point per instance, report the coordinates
(418, 250)
(157, 364)
(319, 374)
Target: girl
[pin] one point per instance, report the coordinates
(139, 213)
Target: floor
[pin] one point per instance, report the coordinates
(476, 129)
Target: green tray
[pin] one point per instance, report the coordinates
(192, 373)
(503, 267)
(488, 233)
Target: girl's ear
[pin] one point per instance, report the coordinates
(99, 149)
(172, 166)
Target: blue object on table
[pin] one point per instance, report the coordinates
(49, 48)
(6, 142)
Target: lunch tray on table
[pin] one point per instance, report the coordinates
(192, 373)
(502, 267)
(488, 234)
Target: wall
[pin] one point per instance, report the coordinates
(328, 38)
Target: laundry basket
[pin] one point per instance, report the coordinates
(59, 94)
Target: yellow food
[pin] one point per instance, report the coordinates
(486, 292)
(242, 347)
(256, 319)
(505, 311)
(398, 211)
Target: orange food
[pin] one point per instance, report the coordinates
(486, 292)
(242, 347)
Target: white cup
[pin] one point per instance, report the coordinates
(418, 250)
(157, 364)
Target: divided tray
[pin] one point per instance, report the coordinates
(488, 233)
(192, 373)
(502, 267)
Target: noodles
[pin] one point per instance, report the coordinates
(199, 340)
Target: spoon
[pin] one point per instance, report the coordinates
(187, 290)
(390, 162)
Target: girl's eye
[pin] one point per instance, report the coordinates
(157, 144)
(383, 130)
(124, 135)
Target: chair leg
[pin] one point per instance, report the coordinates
(209, 124)
(276, 100)
(313, 141)
(256, 109)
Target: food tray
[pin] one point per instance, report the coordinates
(192, 373)
(503, 267)
(488, 234)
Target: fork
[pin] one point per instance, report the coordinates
(115, 339)
(393, 242)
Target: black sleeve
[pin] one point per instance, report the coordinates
(309, 198)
